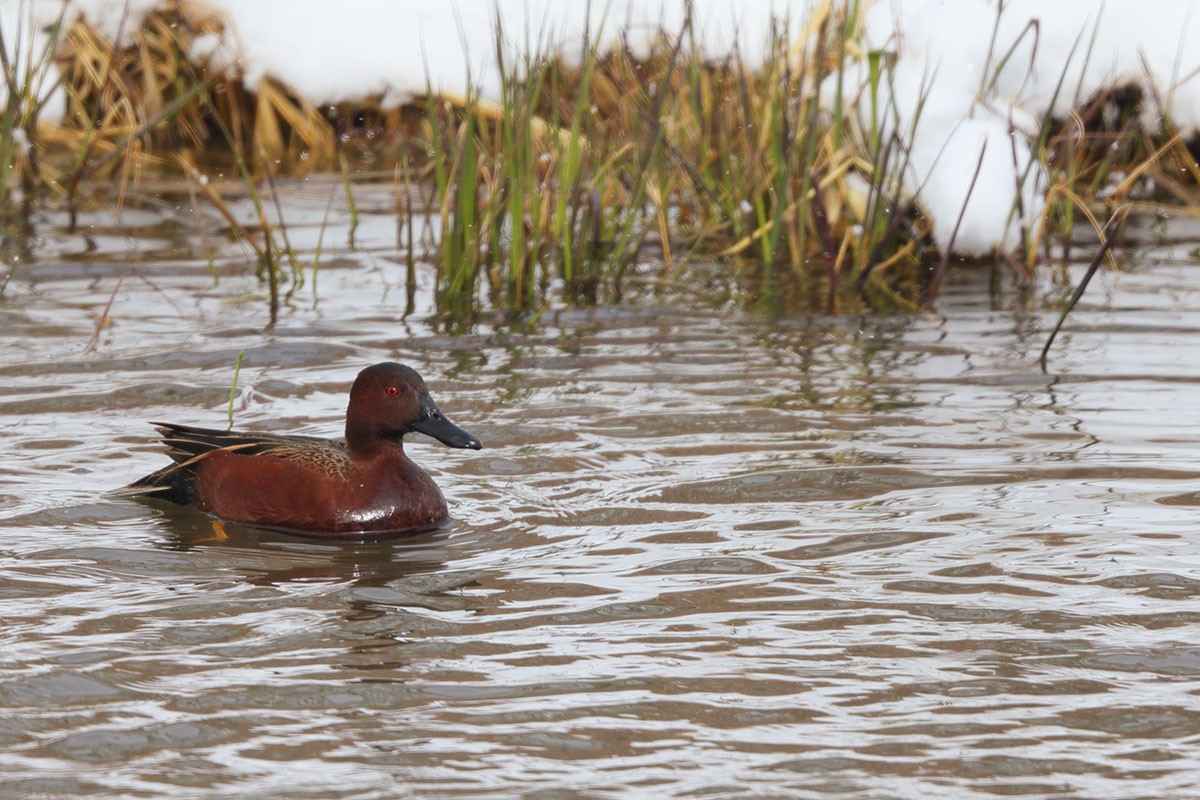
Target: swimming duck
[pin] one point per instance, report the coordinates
(359, 488)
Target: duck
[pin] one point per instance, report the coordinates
(364, 486)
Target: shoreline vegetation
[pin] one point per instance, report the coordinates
(788, 174)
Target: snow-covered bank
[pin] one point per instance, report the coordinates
(969, 75)
(969, 85)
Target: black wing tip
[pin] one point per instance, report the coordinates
(170, 483)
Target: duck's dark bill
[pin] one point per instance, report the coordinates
(446, 432)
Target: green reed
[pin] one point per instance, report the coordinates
(237, 371)
(28, 87)
(518, 195)
(566, 178)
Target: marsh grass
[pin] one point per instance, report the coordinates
(576, 180)
(581, 179)
(583, 174)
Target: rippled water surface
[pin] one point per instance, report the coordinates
(704, 553)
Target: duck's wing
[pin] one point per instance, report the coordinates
(188, 446)
(185, 442)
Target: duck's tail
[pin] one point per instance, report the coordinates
(187, 445)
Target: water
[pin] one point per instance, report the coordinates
(704, 553)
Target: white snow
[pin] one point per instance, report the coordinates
(392, 47)
(977, 72)
(975, 76)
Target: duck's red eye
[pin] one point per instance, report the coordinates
(392, 391)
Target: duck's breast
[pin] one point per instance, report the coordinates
(392, 494)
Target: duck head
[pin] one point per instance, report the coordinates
(389, 400)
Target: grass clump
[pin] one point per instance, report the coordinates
(583, 172)
(28, 84)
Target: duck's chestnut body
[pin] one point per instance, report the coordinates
(366, 486)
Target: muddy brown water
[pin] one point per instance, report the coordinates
(704, 553)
